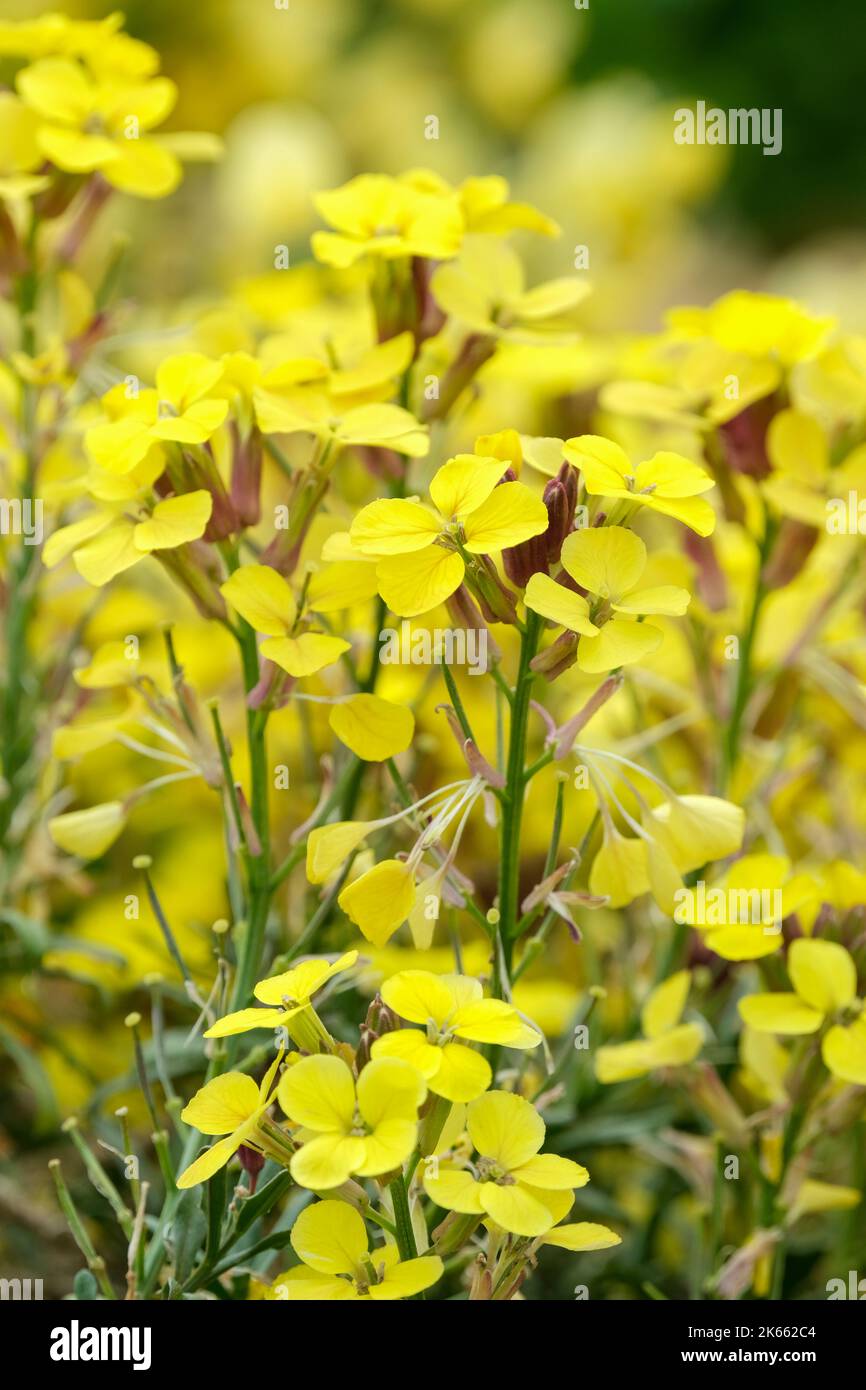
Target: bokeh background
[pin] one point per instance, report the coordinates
(574, 105)
(575, 108)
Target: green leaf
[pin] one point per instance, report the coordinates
(189, 1228)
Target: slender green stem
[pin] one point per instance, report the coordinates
(403, 1219)
(512, 812)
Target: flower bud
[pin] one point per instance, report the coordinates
(379, 1020)
(252, 1163)
(744, 438)
(560, 499)
(246, 475)
(793, 547)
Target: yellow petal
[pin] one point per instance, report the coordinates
(389, 1146)
(210, 1161)
(144, 168)
(453, 1189)
(384, 426)
(665, 599)
(619, 870)
(262, 597)
(619, 643)
(223, 1104)
(319, 1093)
(583, 1235)
(108, 554)
(510, 515)
(380, 900)
(374, 729)
(748, 942)
(185, 378)
(506, 1128)
(605, 560)
(413, 584)
(779, 1013)
(175, 521)
(330, 1237)
(196, 425)
(552, 1171)
(341, 585)
(492, 1021)
(244, 1019)
(560, 605)
(701, 828)
(88, 833)
(329, 846)
(463, 483)
(407, 1278)
(393, 526)
(68, 538)
(420, 997)
(515, 1209)
(604, 465)
(844, 1052)
(327, 1161)
(303, 1285)
(389, 1088)
(822, 973)
(410, 1045)
(306, 654)
(463, 1074)
(302, 981)
(664, 1005)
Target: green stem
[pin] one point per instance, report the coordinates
(512, 812)
(259, 874)
(403, 1219)
(743, 684)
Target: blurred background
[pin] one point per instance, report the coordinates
(573, 105)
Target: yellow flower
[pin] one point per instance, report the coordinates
(231, 1104)
(365, 1128)
(519, 1188)
(106, 543)
(484, 204)
(666, 1042)
(376, 215)
(374, 728)
(88, 833)
(90, 123)
(803, 485)
(284, 406)
(666, 483)
(742, 915)
(379, 901)
(608, 562)
(264, 599)
(289, 994)
(181, 410)
(484, 289)
(759, 325)
(449, 1007)
(824, 977)
(338, 1266)
(20, 155)
(580, 1236)
(421, 551)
